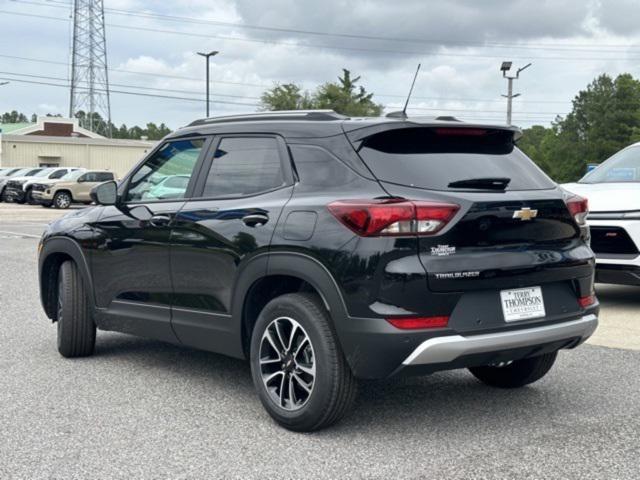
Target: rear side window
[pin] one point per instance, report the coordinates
(244, 166)
(433, 158)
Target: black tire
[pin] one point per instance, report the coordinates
(3, 195)
(334, 387)
(28, 198)
(76, 329)
(518, 374)
(62, 200)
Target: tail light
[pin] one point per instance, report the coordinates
(416, 323)
(587, 301)
(579, 209)
(393, 217)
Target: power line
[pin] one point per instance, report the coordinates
(140, 94)
(328, 47)
(473, 114)
(182, 19)
(265, 85)
(192, 92)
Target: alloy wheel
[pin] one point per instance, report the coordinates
(63, 201)
(287, 363)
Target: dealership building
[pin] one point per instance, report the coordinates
(54, 141)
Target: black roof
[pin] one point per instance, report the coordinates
(321, 123)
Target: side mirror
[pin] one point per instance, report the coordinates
(105, 194)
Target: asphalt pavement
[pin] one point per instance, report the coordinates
(144, 409)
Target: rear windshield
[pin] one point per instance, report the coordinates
(432, 158)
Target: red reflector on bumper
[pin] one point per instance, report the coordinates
(415, 323)
(587, 301)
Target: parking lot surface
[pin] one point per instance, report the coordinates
(145, 409)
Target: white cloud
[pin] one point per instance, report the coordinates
(459, 70)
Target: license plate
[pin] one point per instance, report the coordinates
(522, 304)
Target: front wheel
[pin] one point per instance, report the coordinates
(516, 374)
(76, 329)
(28, 197)
(62, 200)
(298, 368)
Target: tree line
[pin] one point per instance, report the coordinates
(151, 131)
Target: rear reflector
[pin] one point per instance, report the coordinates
(393, 217)
(415, 323)
(578, 208)
(587, 301)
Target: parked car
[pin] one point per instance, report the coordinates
(19, 174)
(74, 188)
(324, 249)
(613, 191)
(171, 186)
(19, 189)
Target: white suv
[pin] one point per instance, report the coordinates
(613, 191)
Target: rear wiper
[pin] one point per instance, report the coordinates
(485, 183)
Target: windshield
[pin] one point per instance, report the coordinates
(44, 173)
(71, 176)
(624, 166)
(20, 173)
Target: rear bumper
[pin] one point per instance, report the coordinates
(619, 274)
(451, 347)
(374, 349)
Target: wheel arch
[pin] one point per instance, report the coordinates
(56, 251)
(277, 273)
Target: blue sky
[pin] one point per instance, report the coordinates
(460, 44)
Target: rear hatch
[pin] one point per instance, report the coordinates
(513, 226)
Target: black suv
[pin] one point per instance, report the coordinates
(324, 249)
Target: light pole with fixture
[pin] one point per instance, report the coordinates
(504, 68)
(208, 56)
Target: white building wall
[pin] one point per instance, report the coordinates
(117, 156)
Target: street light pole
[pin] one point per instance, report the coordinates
(506, 66)
(208, 56)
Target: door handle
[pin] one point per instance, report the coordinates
(160, 220)
(255, 219)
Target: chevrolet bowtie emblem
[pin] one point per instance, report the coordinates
(525, 214)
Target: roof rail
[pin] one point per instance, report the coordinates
(314, 115)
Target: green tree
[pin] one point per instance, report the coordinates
(343, 96)
(346, 97)
(604, 119)
(14, 117)
(288, 96)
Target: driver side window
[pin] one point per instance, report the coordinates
(166, 174)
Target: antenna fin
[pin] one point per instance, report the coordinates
(406, 104)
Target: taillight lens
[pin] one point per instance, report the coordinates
(579, 209)
(587, 301)
(393, 217)
(416, 323)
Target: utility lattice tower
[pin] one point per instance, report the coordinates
(89, 76)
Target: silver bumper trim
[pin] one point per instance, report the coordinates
(447, 349)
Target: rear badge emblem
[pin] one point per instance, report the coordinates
(525, 214)
(443, 250)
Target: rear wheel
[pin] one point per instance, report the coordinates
(298, 368)
(76, 329)
(62, 200)
(516, 374)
